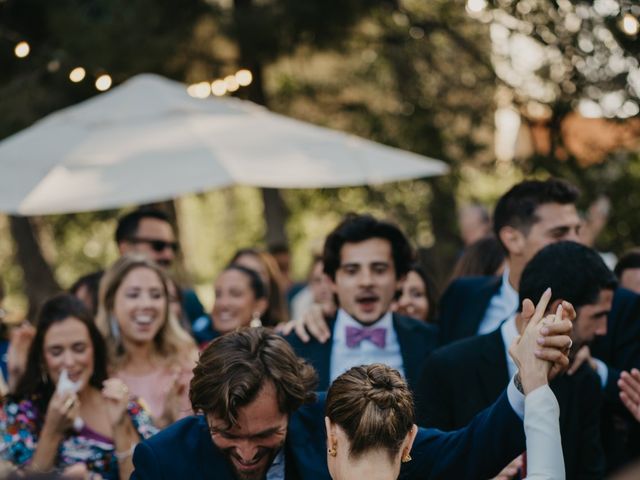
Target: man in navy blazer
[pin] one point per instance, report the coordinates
(366, 259)
(260, 418)
(531, 215)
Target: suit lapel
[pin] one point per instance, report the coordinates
(492, 369)
(410, 348)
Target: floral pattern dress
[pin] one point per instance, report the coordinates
(20, 425)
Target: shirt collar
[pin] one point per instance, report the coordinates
(344, 320)
(506, 290)
(509, 332)
(276, 470)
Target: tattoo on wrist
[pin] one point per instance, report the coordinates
(518, 383)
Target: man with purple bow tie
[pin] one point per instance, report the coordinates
(366, 259)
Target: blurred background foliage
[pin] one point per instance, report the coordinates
(423, 76)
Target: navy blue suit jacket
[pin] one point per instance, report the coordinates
(479, 451)
(465, 302)
(417, 340)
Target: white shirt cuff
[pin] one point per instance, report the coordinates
(516, 399)
(603, 371)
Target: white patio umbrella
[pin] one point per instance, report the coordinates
(147, 140)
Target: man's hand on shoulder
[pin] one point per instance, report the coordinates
(312, 324)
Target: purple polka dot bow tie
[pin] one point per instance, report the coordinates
(377, 336)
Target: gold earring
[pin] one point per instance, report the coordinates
(332, 450)
(406, 458)
(255, 320)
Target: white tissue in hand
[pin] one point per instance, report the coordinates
(65, 384)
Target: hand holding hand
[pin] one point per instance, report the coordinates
(532, 350)
(116, 396)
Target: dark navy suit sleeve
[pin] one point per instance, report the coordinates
(145, 464)
(480, 450)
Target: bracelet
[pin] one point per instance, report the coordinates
(518, 383)
(126, 454)
(37, 469)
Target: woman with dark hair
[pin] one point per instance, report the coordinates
(483, 257)
(65, 410)
(418, 296)
(267, 268)
(241, 299)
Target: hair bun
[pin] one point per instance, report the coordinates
(383, 389)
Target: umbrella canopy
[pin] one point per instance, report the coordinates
(147, 140)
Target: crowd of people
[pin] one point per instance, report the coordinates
(526, 366)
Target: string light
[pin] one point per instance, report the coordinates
(476, 6)
(103, 82)
(231, 83)
(630, 24)
(244, 77)
(218, 88)
(22, 49)
(199, 90)
(77, 74)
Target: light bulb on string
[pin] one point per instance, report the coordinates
(22, 49)
(244, 77)
(630, 24)
(218, 88)
(77, 74)
(103, 82)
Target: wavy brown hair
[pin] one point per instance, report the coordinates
(172, 341)
(234, 367)
(374, 407)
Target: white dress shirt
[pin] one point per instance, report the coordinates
(509, 332)
(343, 357)
(501, 306)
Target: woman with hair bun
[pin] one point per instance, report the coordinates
(370, 423)
(371, 428)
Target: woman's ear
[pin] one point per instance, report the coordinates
(408, 441)
(332, 439)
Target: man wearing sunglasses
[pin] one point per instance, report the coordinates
(147, 231)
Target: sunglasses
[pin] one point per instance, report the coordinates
(156, 245)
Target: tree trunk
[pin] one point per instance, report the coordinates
(442, 210)
(275, 210)
(38, 280)
(275, 213)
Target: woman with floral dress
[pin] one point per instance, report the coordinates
(65, 411)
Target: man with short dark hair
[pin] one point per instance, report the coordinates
(531, 215)
(257, 419)
(464, 377)
(366, 259)
(147, 231)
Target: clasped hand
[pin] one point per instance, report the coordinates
(542, 349)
